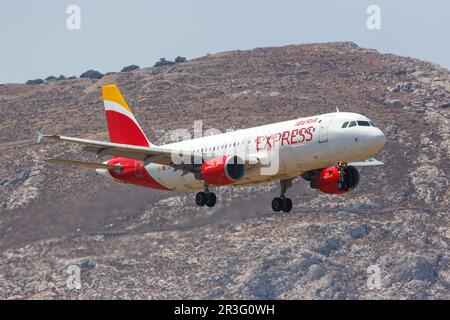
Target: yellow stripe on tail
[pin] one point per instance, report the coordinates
(112, 93)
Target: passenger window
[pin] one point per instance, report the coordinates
(352, 124)
(345, 124)
(363, 123)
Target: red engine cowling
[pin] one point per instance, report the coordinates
(223, 170)
(328, 180)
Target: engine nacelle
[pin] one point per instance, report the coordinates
(327, 180)
(223, 170)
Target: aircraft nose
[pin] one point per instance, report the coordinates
(378, 139)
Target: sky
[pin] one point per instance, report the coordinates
(35, 41)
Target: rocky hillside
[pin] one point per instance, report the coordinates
(137, 243)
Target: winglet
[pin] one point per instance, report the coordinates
(40, 136)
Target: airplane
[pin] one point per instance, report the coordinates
(323, 149)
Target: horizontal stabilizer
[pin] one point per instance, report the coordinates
(90, 165)
(148, 155)
(366, 163)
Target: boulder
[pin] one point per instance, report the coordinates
(163, 62)
(420, 269)
(421, 102)
(359, 232)
(129, 68)
(35, 81)
(392, 130)
(399, 72)
(50, 78)
(91, 74)
(329, 246)
(404, 87)
(445, 105)
(302, 75)
(180, 59)
(19, 178)
(396, 103)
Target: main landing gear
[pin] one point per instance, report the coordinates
(281, 202)
(206, 198)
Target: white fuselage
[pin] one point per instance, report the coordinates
(304, 144)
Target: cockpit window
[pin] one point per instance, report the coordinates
(345, 124)
(352, 124)
(372, 124)
(363, 123)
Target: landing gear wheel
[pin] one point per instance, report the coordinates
(281, 202)
(211, 199)
(277, 204)
(201, 198)
(287, 204)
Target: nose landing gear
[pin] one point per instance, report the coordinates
(281, 202)
(342, 182)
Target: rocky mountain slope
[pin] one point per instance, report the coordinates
(137, 243)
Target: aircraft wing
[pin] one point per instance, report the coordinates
(153, 154)
(366, 163)
(148, 155)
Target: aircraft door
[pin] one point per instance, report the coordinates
(323, 129)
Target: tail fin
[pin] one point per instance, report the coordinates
(122, 125)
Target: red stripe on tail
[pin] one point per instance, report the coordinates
(124, 130)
